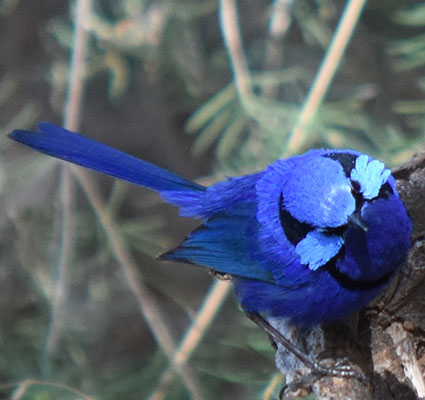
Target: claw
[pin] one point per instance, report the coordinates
(340, 369)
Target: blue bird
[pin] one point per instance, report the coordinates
(312, 238)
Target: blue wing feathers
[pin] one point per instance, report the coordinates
(70, 146)
(223, 244)
(227, 242)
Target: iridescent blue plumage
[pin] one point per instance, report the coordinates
(312, 238)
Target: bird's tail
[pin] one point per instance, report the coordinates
(70, 146)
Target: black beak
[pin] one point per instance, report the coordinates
(355, 220)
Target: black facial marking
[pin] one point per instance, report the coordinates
(356, 186)
(358, 197)
(295, 231)
(339, 230)
(386, 191)
(346, 160)
(349, 283)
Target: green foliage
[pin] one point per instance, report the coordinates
(160, 71)
(411, 49)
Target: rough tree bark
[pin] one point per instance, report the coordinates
(386, 343)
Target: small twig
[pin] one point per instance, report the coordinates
(275, 381)
(206, 314)
(77, 68)
(232, 39)
(23, 386)
(325, 74)
(61, 285)
(147, 304)
(280, 21)
(71, 121)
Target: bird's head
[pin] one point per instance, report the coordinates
(342, 206)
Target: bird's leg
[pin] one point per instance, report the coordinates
(342, 371)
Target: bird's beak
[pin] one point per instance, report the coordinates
(355, 220)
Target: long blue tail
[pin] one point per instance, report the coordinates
(70, 146)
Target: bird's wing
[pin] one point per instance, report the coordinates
(225, 243)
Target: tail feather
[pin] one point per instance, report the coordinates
(70, 146)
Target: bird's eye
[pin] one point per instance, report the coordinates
(386, 191)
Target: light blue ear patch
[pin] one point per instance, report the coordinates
(317, 248)
(371, 175)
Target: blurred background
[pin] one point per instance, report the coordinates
(202, 88)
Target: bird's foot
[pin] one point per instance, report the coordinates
(341, 369)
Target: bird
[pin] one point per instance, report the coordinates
(312, 238)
